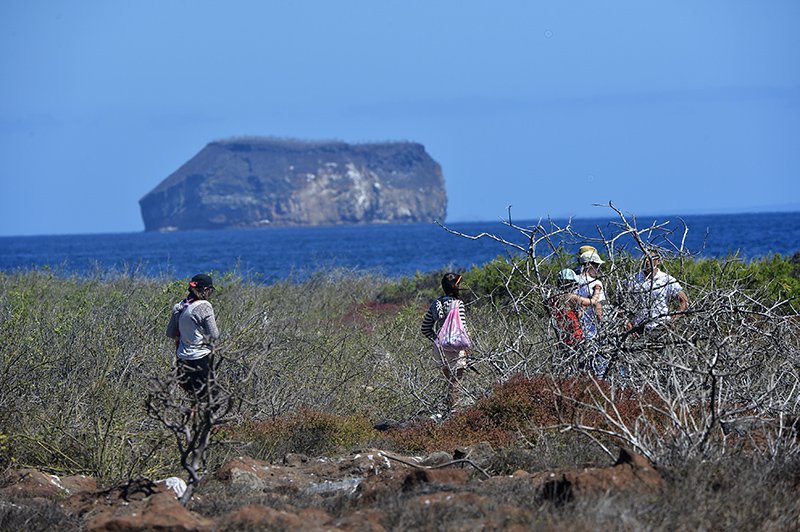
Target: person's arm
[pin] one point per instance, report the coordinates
(211, 326)
(590, 301)
(683, 304)
(204, 315)
(597, 301)
(427, 324)
(462, 315)
(172, 326)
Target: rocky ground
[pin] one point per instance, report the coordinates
(368, 490)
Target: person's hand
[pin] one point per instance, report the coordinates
(628, 327)
(596, 294)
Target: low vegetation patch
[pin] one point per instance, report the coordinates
(336, 362)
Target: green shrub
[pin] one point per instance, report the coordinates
(77, 354)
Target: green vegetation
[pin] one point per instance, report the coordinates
(318, 366)
(315, 365)
(776, 275)
(333, 355)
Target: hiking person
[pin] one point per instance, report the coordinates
(651, 291)
(194, 328)
(566, 308)
(588, 285)
(452, 362)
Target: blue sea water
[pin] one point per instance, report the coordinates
(392, 250)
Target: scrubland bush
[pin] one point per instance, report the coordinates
(313, 364)
(731, 359)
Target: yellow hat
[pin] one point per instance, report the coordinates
(590, 257)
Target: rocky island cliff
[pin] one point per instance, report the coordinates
(263, 182)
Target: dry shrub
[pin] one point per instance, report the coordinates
(463, 428)
(326, 363)
(730, 356)
(310, 432)
(41, 516)
(527, 407)
(546, 401)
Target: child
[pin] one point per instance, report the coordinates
(566, 308)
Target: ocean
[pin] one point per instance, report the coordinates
(392, 250)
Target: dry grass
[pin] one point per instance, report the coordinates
(328, 362)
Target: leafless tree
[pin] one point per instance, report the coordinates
(731, 363)
(191, 416)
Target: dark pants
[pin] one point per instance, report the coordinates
(193, 375)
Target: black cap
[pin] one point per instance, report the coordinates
(201, 281)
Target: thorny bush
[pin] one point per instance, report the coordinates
(78, 353)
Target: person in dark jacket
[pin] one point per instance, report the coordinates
(451, 362)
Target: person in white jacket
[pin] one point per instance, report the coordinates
(194, 328)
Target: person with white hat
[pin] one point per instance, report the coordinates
(591, 287)
(590, 263)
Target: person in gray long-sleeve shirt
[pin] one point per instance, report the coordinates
(194, 328)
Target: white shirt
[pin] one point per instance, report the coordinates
(589, 321)
(194, 326)
(651, 297)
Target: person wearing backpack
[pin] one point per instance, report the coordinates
(445, 325)
(194, 328)
(566, 309)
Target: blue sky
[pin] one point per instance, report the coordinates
(663, 108)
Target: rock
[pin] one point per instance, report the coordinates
(312, 476)
(389, 483)
(134, 490)
(347, 486)
(436, 459)
(139, 505)
(31, 483)
(284, 497)
(258, 517)
(631, 472)
(294, 459)
(247, 481)
(445, 499)
(251, 183)
(248, 476)
(509, 519)
(368, 521)
(160, 512)
(450, 477)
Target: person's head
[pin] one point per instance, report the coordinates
(567, 279)
(650, 261)
(590, 262)
(201, 286)
(450, 284)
